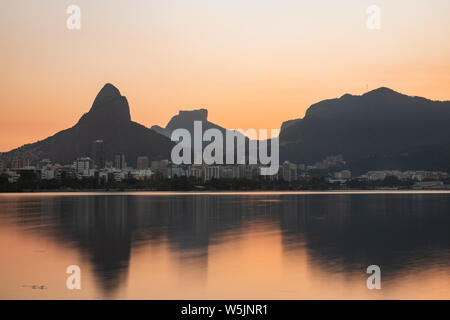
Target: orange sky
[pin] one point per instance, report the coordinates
(251, 63)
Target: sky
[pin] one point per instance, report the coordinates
(251, 63)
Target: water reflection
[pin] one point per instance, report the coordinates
(348, 232)
(340, 233)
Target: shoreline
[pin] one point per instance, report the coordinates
(227, 192)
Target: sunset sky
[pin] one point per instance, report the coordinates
(251, 63)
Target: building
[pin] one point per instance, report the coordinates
(161, 167)
(343, 175)
(18, 164)
(141, 174)
(425, 175)
(428, 185)
(239, 171)
(227, 172)
(142, 163)
(251, 171)
(381, 175)
(82, 166)
(196, 171)
(119, 161)
(375, 175)
(28, 173)
(12, 176)
(98, 154)
(330, 162)
(44, 163)
(119, 175)
(48, 173)
(104, 175)
(211, 172)
(66, 171)
(176, 171)
(289, 171)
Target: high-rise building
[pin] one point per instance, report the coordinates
(82, 165)
(98, 153)
(119, 161)
(142, 163)
(161, 167)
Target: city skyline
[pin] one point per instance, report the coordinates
(255, 58)
(334, 127)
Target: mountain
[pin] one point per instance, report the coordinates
(108, 120)
(429, 158)
(381, 129)
(377, 124)
(185, 119)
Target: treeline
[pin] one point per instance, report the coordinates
(388, 182)
(193, 184)
(160, 184)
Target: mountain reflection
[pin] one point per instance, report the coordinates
(340, 232)
(347, 233)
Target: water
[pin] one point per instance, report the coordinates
(236, 245)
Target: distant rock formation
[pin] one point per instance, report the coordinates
(378, 124)
(185, 119)
(381, 129)
(108, 120)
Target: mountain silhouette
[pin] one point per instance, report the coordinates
(108, 120)
(381, 129)
(185, 119)
(378, 123)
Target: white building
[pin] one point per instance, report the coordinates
(141, 174)
(48, 173)
(82, 166)
(381, 175)
(343, 175)
(13, 176)
(120, 175)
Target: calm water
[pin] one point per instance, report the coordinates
(240, 245)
